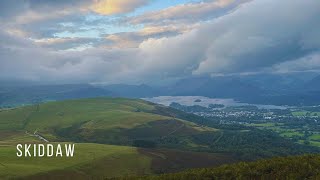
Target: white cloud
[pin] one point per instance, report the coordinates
(262, 34)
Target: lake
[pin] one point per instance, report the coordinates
(205, 101)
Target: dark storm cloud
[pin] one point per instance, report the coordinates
(261, 34)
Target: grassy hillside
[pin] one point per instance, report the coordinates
(86, 156)
(101, 120)
(296, 167)
(100, 161)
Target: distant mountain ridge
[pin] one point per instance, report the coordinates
(133, 91)
(17, 95)
(277, 89)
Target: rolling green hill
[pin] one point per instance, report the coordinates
(101, 120)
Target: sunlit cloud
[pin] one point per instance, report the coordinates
(188, 12)
(110, 7)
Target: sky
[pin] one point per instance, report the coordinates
(147, 41)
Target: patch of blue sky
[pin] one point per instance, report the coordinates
(155, 5)
(101, 25)
(78, 34)
(96, 27)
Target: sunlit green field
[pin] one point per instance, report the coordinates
(312, 139)
(118, 160)
(305, 113)
(315, 137)
(315, 143)
(290, 134)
